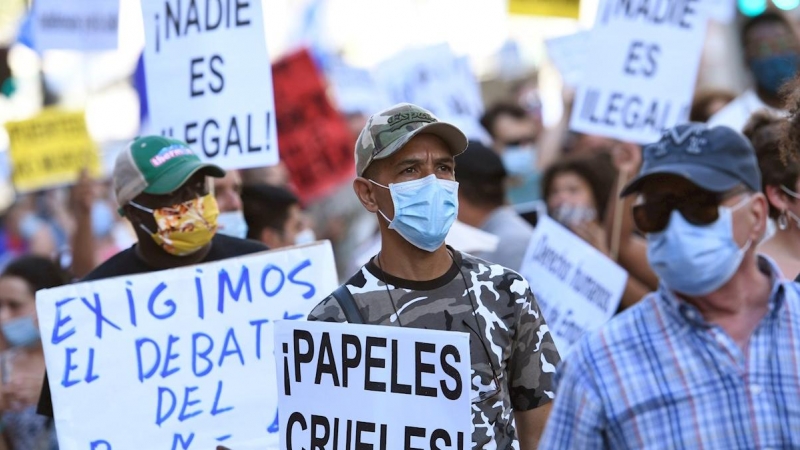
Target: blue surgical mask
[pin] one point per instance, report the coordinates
(424, 210)
(772, 72)
(21, 332)
(519, 160)
(232, 223)
(306, 236)
(102, 218)
(696, 260)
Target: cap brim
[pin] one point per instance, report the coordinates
(455, 140)
(170, 182)
(704, 177)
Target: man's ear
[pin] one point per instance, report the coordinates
(365, 191)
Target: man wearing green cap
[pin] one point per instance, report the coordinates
(405, 162)
(162, 189)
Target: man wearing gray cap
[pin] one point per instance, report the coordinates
(710, 359)
(405, 161)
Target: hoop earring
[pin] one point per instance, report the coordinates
(783, 221)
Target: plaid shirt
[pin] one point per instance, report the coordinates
(659, 376)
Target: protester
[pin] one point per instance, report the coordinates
(274, 217)
(227, 191)
(481, 204)
(23, 365)
(406, 178)
(771, 51)
(779, 180)
(708, 359)
(708, 102)
(161, 187)
(576, 191)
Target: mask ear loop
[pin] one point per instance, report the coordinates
(145, 209)
(379, 211)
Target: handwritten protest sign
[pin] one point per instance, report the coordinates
(209, 80)
(86, 25)
(383, 387)
(50, 150)
(568, 53)
(554, 8)
(434, 78)
(179, 359)
(317, 145)
(577, 287)
(643, 57)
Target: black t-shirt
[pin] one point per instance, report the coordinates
(127, 262)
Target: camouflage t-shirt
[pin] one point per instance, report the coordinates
(512, 330)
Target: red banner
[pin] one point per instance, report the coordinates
(314, 141)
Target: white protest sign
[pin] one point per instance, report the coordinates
(384, 387)
(85, 25)
(577, 287)
(356, 90)
(643, 59)
(437, 80)
(209, 79)
(180, 359)
(568, 54)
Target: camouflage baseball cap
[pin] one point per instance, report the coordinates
(389, 130)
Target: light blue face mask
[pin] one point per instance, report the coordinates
(519, 160)
(102, 219)
(232, 223)
(424, 210)
(21, 332)
(696, 260)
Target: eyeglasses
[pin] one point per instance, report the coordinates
(483, 396)
(698, 208)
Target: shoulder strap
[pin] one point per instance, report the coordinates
(348, 305)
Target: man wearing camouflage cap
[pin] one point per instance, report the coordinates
(405, 162)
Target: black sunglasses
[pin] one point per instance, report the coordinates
(698, 208)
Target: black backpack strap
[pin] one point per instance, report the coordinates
(348, 305)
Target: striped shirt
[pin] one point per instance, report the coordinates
(659, 376)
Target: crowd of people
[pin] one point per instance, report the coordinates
(706, 222)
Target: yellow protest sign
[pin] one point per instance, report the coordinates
(553, 8)
(50, 150)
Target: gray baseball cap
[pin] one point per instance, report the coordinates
(716, 159)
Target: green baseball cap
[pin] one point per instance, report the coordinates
(388, 131)
(156, 165)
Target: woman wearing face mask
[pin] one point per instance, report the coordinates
(23, 365)
(780, 178)
(576, 191)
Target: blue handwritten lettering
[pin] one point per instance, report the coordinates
(169, 303)
(265, 274)
(201, 354)
(287, 316)
(311, 290)
(230, 337)
(58, 338)
(98, 313)
(257, 324)
(66, 382)
(274, 426)
(224, 438)
(225, 285)
(178, 438)
(90, 375)
(170, 356)
(95, 445)
(198, 286)
(139, 344)
(215, 408)
(187, 403)
(131, 305)
(161, 418)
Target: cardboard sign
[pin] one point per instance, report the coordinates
(577, 287)
(552, 8)
(317, 145)
(50, 150)
(209, 81)
(85, 25)
(179, 359)
(568, 54)
(644, 60)
(383, 387)
(434, 78)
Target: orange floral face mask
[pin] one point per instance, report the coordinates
(185, 228)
